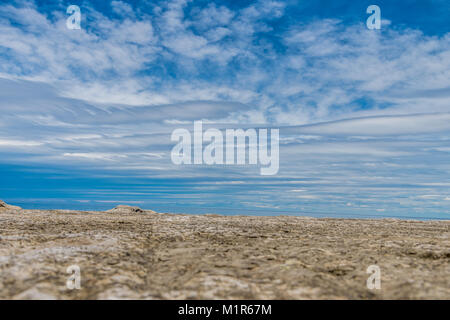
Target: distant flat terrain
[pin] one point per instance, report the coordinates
(128, 253)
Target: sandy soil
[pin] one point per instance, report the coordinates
(128, 253)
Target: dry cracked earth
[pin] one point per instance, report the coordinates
(129, 253)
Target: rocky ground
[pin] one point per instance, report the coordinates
(128, 253)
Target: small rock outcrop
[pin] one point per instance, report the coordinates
(129, 209)
(5, 206)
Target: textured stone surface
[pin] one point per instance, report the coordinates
(127, 209)
(135, 254)
(6, 207)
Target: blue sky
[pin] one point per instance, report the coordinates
(364, 115)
